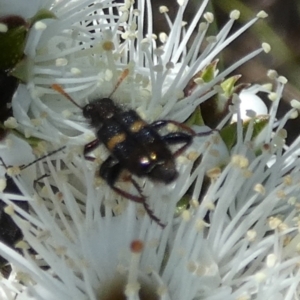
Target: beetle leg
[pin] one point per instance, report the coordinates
(161, 123)
(178, 138)
(110, 171)
(146, 206)
(89, 148)
(181, 137)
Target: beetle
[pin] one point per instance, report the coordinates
(134, 144)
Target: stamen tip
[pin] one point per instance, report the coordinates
(262, 14)
(235, 14)
(266, 47)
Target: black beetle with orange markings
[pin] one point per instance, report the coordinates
(134, 145)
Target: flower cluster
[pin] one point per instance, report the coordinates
(231, 216)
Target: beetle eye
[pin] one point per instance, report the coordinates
(87, 110)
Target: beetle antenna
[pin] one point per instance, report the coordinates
(124, 74)
(60, 90)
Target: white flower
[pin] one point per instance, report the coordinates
(84, 50)
(238, 242)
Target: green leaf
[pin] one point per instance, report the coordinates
(205, 75)
(228, 85)
(32, 141)
(42, 14)
(22, 69)
(208, 74)
(182, 205)
(229, 133)
(260, 123)
(12, 42)
(195, 118)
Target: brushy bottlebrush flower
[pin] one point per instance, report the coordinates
(239, 242)
(87, 46)
(81, 240)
